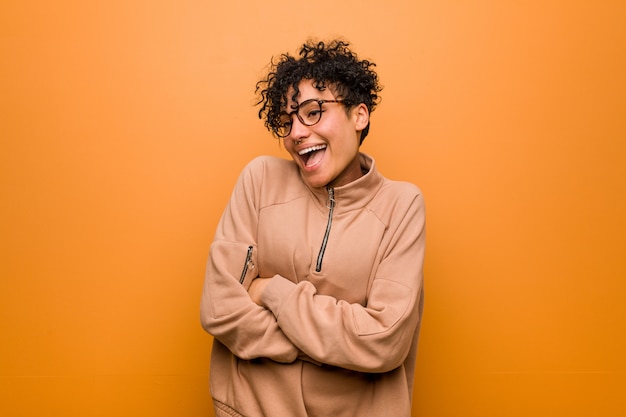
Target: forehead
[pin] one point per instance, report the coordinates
(308, 89)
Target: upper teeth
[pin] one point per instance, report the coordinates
(311, 149)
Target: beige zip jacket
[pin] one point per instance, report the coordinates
(339, 334)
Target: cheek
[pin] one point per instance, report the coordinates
(287, 144)
(338, 130)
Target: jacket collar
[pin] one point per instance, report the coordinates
(358, 193)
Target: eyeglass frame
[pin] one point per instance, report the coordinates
(300, 119)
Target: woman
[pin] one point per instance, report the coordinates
(313, 289)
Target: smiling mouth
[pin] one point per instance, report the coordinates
(312, 155)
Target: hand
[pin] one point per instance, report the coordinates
(256, 289)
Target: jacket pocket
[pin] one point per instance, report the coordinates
(230, 270)
(223, 410)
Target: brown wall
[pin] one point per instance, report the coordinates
(123, 126)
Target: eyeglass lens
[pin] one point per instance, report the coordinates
(309, 112)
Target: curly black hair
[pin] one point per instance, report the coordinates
(327, 64)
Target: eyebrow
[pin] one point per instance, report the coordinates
(303, 101)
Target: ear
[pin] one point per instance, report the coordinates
(362, 117)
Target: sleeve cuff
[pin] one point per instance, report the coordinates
(275, 292)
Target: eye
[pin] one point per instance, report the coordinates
(310, 111)
(284, 120)
(283, 125)
(312, 114)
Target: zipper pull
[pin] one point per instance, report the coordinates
(246, 265)
(331, 198)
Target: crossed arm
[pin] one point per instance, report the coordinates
(275, 318)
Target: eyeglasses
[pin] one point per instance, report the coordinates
(309, 112)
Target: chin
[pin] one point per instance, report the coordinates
(316, 183)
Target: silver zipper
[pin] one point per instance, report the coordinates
(331, 208)
(246, 264)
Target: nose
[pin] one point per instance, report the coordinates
(299, 130)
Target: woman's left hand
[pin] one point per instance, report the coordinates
(256, 289)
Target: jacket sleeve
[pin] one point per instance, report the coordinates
(376, 337)
(227, 312)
